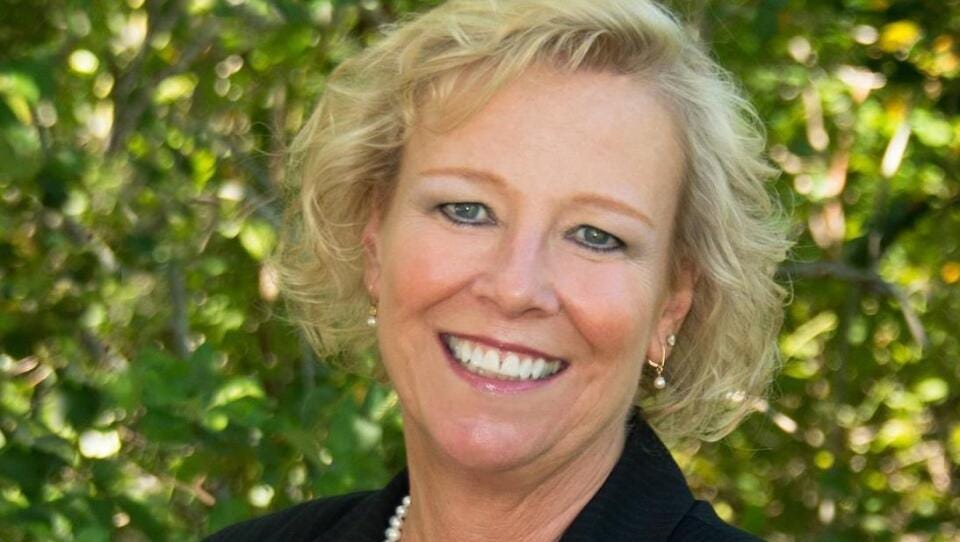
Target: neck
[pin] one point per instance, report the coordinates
(534, 503)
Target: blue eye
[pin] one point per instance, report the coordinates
(596, 239)
(469, 213)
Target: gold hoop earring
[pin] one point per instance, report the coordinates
(659, 382)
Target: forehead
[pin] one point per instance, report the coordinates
(546, 126)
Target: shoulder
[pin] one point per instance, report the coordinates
(701, 523)
(301, 522)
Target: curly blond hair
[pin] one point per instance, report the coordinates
(459, 55)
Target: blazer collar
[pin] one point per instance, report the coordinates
(644, 498)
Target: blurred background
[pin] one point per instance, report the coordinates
(151, 390)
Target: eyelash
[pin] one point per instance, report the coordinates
(448, 211)
(619, 245)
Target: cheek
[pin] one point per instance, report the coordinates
(425, 266)
(612, 305)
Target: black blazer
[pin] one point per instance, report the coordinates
(645, 498)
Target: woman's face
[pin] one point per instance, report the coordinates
(521, 269)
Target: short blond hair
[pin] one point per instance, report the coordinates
(728, 226)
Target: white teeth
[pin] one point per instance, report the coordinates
(538, 367)
(454, 344)
(491, 361)
(526, 368)
(495, 363)
(511, 366)
(476, 357)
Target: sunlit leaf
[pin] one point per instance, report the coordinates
(260, 495)
(954, 444)
(175, 88)
(83, 62)
(99, 444)
(898, 433)
(236, 389)
(204, 166)
(931, 130)
(16, 83)
(258, 238)
(20, 108)
(899, 36)
(801, 343)
(932, 389)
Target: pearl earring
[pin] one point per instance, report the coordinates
(660, 382)
(372, 316)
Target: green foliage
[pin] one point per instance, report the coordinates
(147, 392)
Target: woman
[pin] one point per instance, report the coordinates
(549, 215)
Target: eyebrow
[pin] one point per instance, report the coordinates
(498, 181)
(614, 205)
(469, 174)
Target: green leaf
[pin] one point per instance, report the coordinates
(932, 389)
(236, 389)
(14, 83)
(204, 165)
(19, 152)
(258, 238)
(802, 342)
(932, 130)
(177, 87)
(898, 433)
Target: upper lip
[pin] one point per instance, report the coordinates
(501, 345)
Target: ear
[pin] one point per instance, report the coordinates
(370, 239)
(674, 311)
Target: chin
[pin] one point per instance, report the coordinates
(484, 444)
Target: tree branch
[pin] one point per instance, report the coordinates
(134, 89)
(179, 324)
(842, 271)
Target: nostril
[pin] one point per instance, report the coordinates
(517, 294)
(517, 279)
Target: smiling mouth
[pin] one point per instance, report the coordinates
(501, 364)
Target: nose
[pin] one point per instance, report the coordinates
(518, 277)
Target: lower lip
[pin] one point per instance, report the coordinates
(492, 384)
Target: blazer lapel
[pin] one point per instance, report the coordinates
(367, 521)
(643, 498)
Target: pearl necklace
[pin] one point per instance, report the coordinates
(392, 533)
